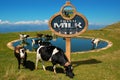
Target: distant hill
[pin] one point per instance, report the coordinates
(114, 26)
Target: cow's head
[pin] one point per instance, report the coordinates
(27, 36)
(69, 71)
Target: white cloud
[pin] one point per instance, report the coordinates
(35, 22)
(4, 22)
(46, 21)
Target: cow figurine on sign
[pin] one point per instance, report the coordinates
(56, 56)
(20, 55)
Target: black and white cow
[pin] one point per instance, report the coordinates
(56, 56)
(48, 36)
(23, 36)
(35, 42)
(21, 55)
(95, 42)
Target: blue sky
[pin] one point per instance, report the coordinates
(21, 11)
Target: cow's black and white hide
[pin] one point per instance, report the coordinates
(56, 56)
(95, 42)
(20, 55)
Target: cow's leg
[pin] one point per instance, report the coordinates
(54, 68)
(43, 65)
(24, 62)
(93, 46)
(19, 60)
(36, 66)
(38, 57)
(32, 46)
(96, 45)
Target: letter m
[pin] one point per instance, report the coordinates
(56, 25)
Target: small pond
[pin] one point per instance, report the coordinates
(77, 44)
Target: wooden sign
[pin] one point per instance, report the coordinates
(68, 23)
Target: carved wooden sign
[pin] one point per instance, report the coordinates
(68, 22)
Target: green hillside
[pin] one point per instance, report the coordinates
(103, 65)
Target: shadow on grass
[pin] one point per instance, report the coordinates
(85, 62)
(58, 69)
(30, 65)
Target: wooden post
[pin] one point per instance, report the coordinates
(68, 48)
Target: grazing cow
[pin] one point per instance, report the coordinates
(23, 36)
(35, 42)
(21, 55)
(95, 42)
(56, 56)
(48, 37)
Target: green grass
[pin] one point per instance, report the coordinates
(103, 65)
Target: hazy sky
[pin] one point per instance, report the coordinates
(96, 11)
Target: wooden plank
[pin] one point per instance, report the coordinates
(68, 48)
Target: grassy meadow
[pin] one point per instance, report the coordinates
(103, 65)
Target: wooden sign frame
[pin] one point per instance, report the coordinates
(70, 35)
(70, 18)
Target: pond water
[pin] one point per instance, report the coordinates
(77, 44)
